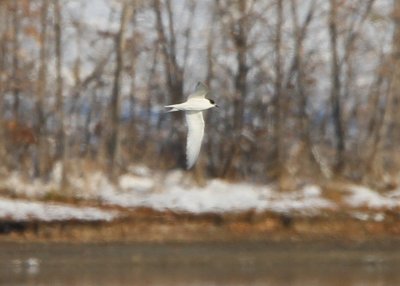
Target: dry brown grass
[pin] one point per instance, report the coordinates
(146, 225)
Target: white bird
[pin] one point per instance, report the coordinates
(194, 107)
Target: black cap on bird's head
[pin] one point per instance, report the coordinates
(212, 102)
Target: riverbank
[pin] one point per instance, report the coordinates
(146, 225)
(147, 206)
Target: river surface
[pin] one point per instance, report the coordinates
(245, 263)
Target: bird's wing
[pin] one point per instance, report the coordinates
(195, 123)
(200, 91)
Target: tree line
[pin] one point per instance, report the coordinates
(307, 89)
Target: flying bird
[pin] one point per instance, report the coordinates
(193, 108)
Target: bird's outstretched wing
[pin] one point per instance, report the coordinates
(200, 91)
(195, 123)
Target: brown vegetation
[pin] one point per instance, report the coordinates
(18, 134)
(146, 225)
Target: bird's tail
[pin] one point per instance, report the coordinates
(171, 108)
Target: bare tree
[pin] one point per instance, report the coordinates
(4, 19)
(237, 27)
(377, 123)
(336, 86)
(174, 73)
(126, 13)
(61, 138)
(15, 58)
(41, 153)
(298, 67)
(384, 124)
(259, 60)
(279, 96)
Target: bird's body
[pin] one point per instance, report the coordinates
(194, 107)
(192, 104)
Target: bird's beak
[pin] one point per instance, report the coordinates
(216, 106)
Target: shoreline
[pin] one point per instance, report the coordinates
(146, 225)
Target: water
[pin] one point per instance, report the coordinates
(244, 263)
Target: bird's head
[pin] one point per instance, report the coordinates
(212, 102)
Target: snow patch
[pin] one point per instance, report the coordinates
(32, 189)
(176, 191)
(217, 196)
(364, 197)
(366, 217)
(23, 210)
(135, 183)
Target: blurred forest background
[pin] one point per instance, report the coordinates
(306, 88)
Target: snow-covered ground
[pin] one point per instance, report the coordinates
(217, 196)
(23, 210)
(360, 196)
(175, 191)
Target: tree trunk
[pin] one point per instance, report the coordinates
(336, 88)
(279, 97)
(41, 154)
(174, 75)
(307, 159)
(4, 19)
(239, 34)
(115, 95)
(15, 60)
(60, 138)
